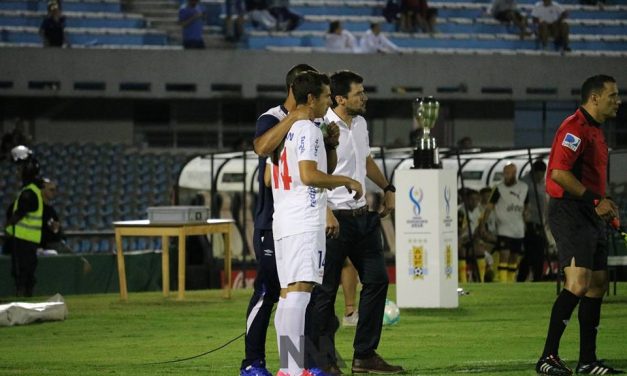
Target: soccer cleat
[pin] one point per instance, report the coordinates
(281, 373)
(552, 366)
(351, 320)
(597, 368)
(255, 369)
(314, 372)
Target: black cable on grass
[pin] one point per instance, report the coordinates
(199, 355)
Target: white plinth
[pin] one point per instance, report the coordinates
(426, 239)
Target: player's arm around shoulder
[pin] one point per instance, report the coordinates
(269, 138)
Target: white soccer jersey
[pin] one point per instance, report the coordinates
(298, 208)
(509, 210)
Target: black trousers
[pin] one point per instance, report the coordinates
(533, 257)
(266, 293)
(23, 266)
(360, 240)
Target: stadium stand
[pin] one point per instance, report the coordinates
(99, 184)
(462, 26)
(89, 23)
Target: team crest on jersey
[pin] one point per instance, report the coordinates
(571, 141)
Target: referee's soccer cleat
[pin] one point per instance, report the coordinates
(552, 366)
(597, 368)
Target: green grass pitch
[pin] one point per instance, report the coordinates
(498, 329)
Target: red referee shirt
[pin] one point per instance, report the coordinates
(579, 147)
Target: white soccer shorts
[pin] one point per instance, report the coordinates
(300, 257)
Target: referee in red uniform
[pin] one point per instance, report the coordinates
(578, 214)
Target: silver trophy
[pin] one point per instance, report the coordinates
(426, 153)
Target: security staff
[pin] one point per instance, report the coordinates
(24, 222)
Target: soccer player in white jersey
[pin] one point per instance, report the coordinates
(299, 182)
(509, 203)
(271, 128)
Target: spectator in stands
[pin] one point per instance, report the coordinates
(339, 39)
(260, 15)
(416, 14)
(234, 22)
(192, 20)
(52, 236)
(392, 13)
(374, 41)
(286, 19)
(52, 29)
(550, 18)
(18, 136)
(23, 226)
(507, 11)
(533, 257)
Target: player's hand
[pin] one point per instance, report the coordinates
(354, 185)
(606, 209)
(387, 205)
(332, 138)
(332, 228)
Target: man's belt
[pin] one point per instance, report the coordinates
(352, 212)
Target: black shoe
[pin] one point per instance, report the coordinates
(597, 368)
(552, 366)
(332, 369)
(375, 364)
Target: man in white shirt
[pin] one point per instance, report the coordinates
(355, 233)
(339, 39)
(509, 203)
(299, 183)
(374, 41)
(550, 18)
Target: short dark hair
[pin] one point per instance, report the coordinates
(485, 190)
(333, 26)
(306, 83)
(341, 83)
(294, 71)
(594, 84)
(538, 165)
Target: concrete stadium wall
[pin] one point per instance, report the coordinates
(252, 74)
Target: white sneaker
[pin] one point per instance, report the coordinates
(351, 320)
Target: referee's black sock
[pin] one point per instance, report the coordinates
(560, 315)
(589, 317)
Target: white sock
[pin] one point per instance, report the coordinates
(278, 326)
(294, 325)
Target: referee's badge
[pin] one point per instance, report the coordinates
(571, 141)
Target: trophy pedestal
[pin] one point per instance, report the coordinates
(426, 158)
(426, 239)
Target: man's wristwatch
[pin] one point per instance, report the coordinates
(389, 188)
